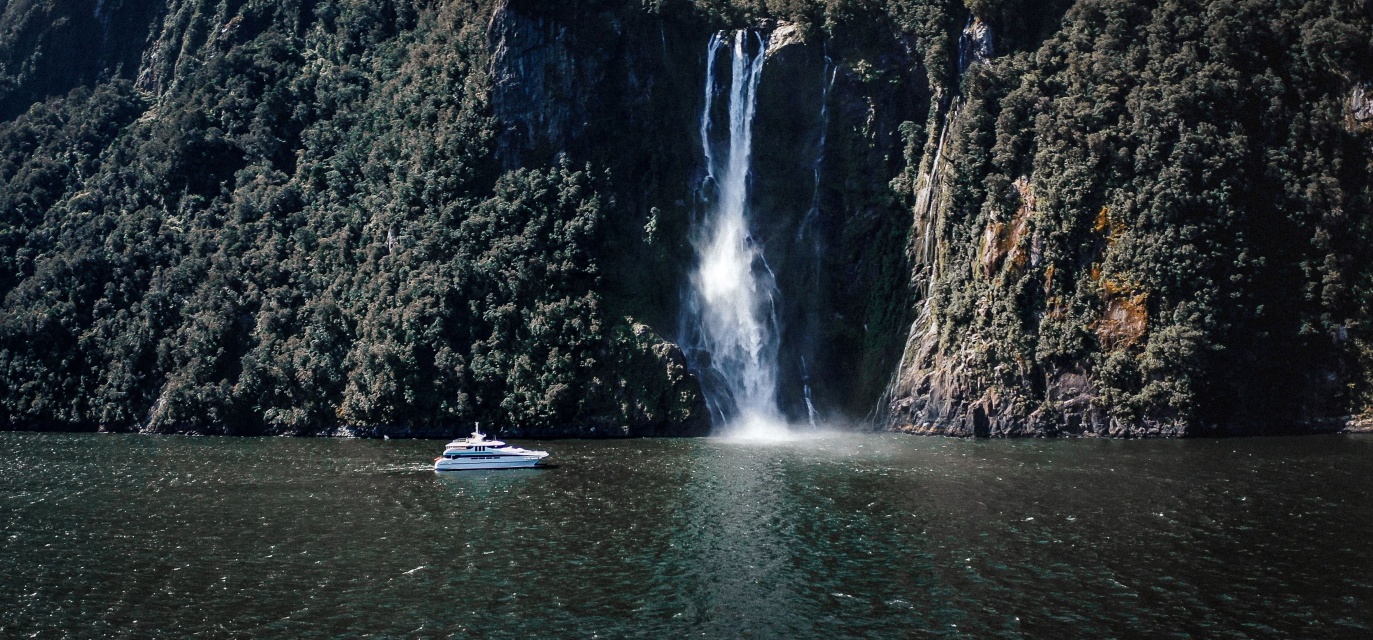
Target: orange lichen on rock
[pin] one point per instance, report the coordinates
(1123, 322)
(993, 248)
(1114, 288)
(1017, 251)
(1001, 242)
(1126, 316)
(1108, 225)
(1056, 310)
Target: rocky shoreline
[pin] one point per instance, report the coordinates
(950, 429)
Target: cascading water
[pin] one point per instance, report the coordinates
(807, 233)
(732, 303)
(975, 46)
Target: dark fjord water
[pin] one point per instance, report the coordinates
(879, 536)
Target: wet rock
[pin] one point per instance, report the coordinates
(976, 45)
(784, 35)
(1360, 424)
(1361, 104)
(1123, 322)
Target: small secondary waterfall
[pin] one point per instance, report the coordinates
(732, 304)
(807, 232)
(975, 46)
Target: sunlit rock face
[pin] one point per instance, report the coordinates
(1361, 105)
(1097, 277)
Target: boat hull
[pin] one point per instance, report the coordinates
(459, 464)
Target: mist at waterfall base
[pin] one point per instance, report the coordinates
(731, 328)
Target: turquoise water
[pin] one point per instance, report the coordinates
(869, 536)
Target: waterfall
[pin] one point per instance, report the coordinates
(712, 50)
(807, 227)
(807, 232)
(811, 413)
(732, 303)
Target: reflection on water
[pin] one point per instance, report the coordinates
(884, 536)
(782, 554)
(483, 484)
(738, 540)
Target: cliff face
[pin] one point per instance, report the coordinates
(1152, 225)
(998, 218)
(622, 89)
(48, 48)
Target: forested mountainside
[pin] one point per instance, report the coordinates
(1156, 222)
(1105, 217)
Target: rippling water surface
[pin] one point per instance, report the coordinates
(874, 535)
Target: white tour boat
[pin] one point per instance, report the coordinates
(476, 452)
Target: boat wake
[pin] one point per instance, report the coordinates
(405, 469)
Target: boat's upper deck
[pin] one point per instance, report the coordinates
(476, 442)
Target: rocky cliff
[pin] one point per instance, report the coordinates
(991, 218)
(1152, 224)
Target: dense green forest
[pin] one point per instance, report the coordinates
(384, 216)
(1157, 222)
(305, 228)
